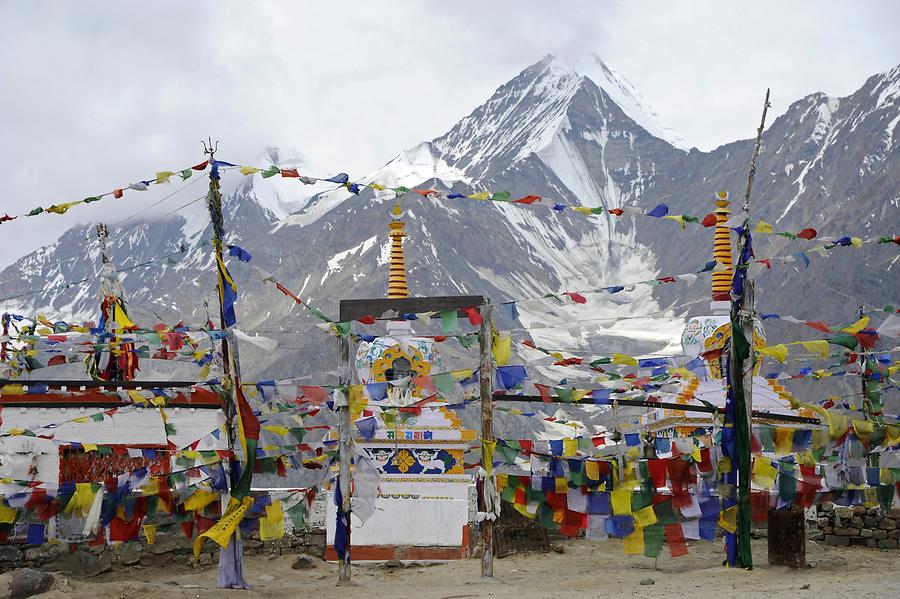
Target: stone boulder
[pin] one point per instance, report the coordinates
(26, 582)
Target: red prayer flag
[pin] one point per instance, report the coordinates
(527, 200)
(616, 211)
(709, 220)
(201, 166)
(576, 297)
(290, 172)
(657, 470)
(675, 540)
(818, 325)
(807, 233)
(367, 319)
(423, 192)
(544, 390)
(475, 317)
(117, 193)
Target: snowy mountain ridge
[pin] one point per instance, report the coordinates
(555, 131)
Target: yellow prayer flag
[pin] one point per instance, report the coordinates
(481, 195)
(764, 473)
(376, 186)
(7, 514)
(645, 516)
(199, 500)
(818, 347)
(728, 519)
(278, 430)
(863, 428)
(224, 529)
(784, 440)
(248, 170)
(592, 470)
(88, 447)
(81, 500)
(163, 177)
(621, 501)
(857, 326)
(121, 318)
(150, 533)
(763, 227)
(633, 544)
(570, 447)
(356, 400)
(678, 218)
(487, 455)
(856, 242)
(562, 484)
(624, 359)
(500, 347)
(12, 390)
(583, 209)
(61, 208)
(779, 352)
(272, 525)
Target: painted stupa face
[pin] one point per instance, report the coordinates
(395, 356)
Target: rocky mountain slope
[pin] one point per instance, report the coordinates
(577, 133)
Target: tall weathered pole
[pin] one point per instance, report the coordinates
(485, 378)
(230, 579)
(741, 361)
(345, 454)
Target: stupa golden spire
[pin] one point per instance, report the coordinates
(397, 279)
(721, 280)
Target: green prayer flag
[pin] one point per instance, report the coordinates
(787, 481)
(467, 340)
(564, 395)
(500, 196)
(653, 540)
(97, 417)
(35, 212)
(270, 172)
(449, 321)
(844, 340)
(343, 328)
(185, 174)
(297, 515)
(766, 435)
(91, 199)
(445, 383)
(665, 514)
(506, 453)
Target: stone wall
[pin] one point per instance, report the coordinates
(169, 548)
(859, 525)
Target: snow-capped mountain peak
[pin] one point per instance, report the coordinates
(623, 93)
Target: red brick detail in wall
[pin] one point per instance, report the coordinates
(409, 553)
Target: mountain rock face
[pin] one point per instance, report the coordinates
(576, 133)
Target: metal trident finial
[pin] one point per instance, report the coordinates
(209, 147)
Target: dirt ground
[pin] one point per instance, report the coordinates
(585, 569)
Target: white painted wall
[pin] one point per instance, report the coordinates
(129, 426)
(435, 519)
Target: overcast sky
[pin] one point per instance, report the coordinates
(97, 94)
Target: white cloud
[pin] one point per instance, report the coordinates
(97, 94)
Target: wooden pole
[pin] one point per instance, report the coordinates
(345, 453)
(485, 378)
(742, 370)
(214, 205)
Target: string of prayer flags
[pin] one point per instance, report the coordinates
(159, 178)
